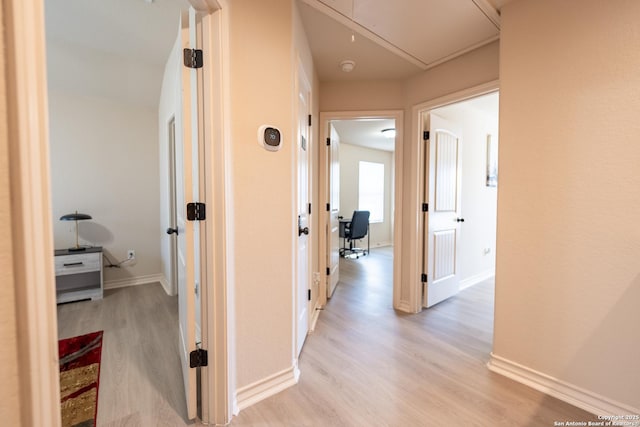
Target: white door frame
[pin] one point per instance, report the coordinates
(36, 317)
(31, 216)
(215, 383)
(302, 83)
(416, 170)
(325, 118)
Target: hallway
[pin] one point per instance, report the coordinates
(366, 364)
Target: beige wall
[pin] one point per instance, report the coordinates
(471, 69)
(9, 367)
(362, 96)
(350, 156)
(104, 162)
(568, 282)
(262, 187)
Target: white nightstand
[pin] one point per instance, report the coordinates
(78, 274)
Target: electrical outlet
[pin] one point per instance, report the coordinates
(131, 254)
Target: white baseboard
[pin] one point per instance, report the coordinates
(380, 244)
(267, 387)
(314, 318)
(167, 286)
(404, 307)
(475, 279)
(574, 395)
(134, 281)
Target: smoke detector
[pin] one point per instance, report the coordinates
(347, 66)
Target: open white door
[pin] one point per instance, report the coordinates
(187, 191)
(442, 166)
(303, 256)
(333, 226)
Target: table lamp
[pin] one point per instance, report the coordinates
(75, 217)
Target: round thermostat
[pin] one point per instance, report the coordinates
(269, 138)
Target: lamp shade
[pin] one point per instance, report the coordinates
(74, 217)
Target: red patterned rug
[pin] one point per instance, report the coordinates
(79, 379)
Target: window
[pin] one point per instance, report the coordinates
(371, 190)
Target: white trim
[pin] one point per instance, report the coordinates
(489, 11)
(267, 387)
(32, 236)
(216, 306)
(315, 315)
(398, 116)
(376, 245)
(166, 285)
(572, 394)
(136, 281)
(412, 194)
(475, 279)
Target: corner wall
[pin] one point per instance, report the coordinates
(104, 156)
(262, 190)
(104, 162)
(568, 276)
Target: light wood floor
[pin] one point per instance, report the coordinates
(140, 376)
(367, 365)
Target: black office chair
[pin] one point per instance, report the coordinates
(357, 229)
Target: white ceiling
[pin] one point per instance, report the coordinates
(365, 133)
(394, 40)
(391, 40)
(486, 104)
(133, 29)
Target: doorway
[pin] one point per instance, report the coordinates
(360, 169)
(458, 185)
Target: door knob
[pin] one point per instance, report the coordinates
(459, 219)
(302, 231)
(172, 230)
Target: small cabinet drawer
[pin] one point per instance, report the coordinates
(77, 263)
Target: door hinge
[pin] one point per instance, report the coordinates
(198, 358)
(328, 207)
(425, 135)
(309, 119)
(423, 278)
(328, 141)
(308, 294)
(309, 206)
(425, 207)
(196, 211)
(328, 271)
(193, 58)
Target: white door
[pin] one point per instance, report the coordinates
(333, 226)
(187, 190)
(303, 246)
(442, 221)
